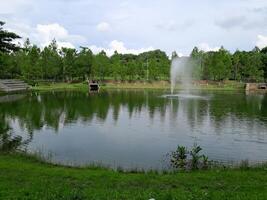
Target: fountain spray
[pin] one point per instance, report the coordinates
(181, 71)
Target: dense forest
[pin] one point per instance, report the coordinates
(31, 63)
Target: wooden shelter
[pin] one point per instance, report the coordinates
(93, 86)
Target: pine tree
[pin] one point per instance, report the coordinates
(6, 39)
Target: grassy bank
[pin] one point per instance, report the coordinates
(60, 86)
(230, 85)
(24, 177)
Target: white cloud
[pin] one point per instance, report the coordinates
(43, 34)
(261, 41)
(206, 47)
(174, 25)
(231, 22)
(119, 47)
(103, 27)
(166, 26)
(59, 44)
(47, 32)
(170, 25)
(13, 6)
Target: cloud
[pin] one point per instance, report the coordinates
(261, 41)
(231, 22)
(13, 6)
(176, 25)
(103, 27)
(205, 47)
(47, 32)
(119, 47)
(262, 10)
(43, 34)
(59, 44)
(172, 25)
(242, 22)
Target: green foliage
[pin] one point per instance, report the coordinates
(83, 64)
(68, 62)
(195, 156)
(6, 39)
(65, 64)
(248, 66)
(182, 159)
(197, 57)
(217, 65)
(178, 158)
(51, 62)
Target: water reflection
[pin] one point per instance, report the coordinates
(8, 140)
(229, 118)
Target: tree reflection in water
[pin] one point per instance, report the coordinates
(54, 109)
(8, 141)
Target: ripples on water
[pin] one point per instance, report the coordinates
(186, 96)
(135, 128)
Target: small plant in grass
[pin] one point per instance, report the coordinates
(244, 164)
(182, 159)
(206, 161)
(195, 156)
(178, 157)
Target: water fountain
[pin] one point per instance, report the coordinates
(182, 72)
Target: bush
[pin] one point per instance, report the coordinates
(182, 159)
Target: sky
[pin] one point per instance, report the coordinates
(135, 26)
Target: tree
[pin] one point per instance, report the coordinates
(236, 66)
(66, 64)
(115, 61)
(264, 61)
(197, 57)
(157, 62)
(6, 48)
(84, 63)
(50, 62)
(101, 65)
(69, 57)
(253, 67)
(6, 39)
(217, 65)
(28, 61)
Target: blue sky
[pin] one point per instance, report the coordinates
(138, 25)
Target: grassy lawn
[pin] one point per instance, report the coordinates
(138, 85)
(23, 177)
(60, 86)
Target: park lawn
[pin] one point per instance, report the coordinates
(163, 85)
(25, 177)
(230, 85)
(60, 86)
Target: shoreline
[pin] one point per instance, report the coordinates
(163, 85)
(23, 176)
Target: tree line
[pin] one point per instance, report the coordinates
(33, 63)
(245, 66)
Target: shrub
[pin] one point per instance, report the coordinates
(182, 159)
(178, 157)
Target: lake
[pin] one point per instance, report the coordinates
(135, 128)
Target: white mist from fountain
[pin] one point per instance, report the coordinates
(181, 71)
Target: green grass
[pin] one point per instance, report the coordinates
(25, 177)
(230, 85)
(60, 86)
